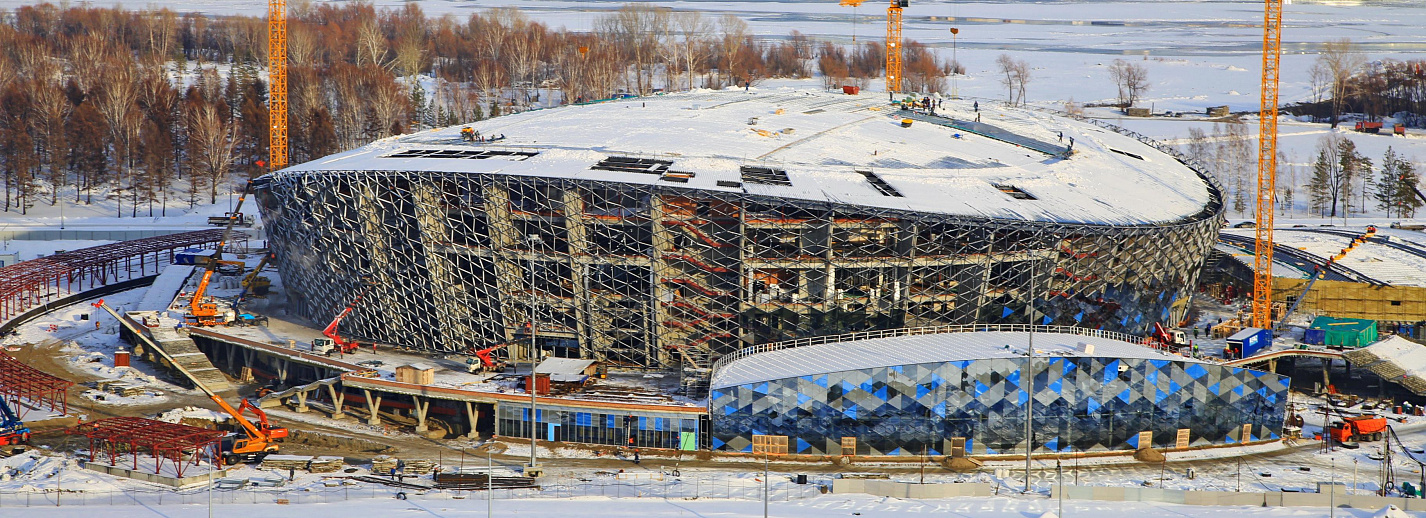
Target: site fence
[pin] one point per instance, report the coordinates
(646, 485)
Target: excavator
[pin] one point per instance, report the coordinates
(201, 311)
(334, 341)
(258, 439)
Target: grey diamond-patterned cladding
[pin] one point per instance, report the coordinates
(1081, 404)
(659, 276)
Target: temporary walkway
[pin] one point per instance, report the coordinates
(1273, 356)
(988, 131)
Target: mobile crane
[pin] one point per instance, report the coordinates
(334, 341)
(254, 283)
(259, 439)
(485, 360)
(201, 311)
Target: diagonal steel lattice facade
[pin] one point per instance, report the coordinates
(655, 275)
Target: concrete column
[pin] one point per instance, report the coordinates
(282, 371)
(421, 408)
(373, 404)
(474, 416)
(1326, 373)
(301, 402)
(338, 402)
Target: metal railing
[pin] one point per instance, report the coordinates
(661, 484)
(913, 331)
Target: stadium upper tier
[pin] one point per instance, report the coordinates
(823, 147)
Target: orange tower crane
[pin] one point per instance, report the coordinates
(893, 45)
(277, 77)
(1267, 165)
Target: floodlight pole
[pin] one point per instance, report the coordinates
(955, 64)
(534, 241)
(1028, 384)
(489, 483)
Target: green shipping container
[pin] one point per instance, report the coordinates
(1345, 332)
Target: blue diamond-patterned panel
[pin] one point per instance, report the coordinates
(1080, 404)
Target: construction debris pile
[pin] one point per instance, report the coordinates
(324, 464)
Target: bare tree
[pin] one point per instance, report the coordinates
(1017, 75)
(302, 47)
(692, 49)
(371, 44)
(1317, 80)
(1341, 60)
(733, 32)
(211, 142)
(116, 103)
(1132, 80)
(388, 104)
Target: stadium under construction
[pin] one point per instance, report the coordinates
(666, 232)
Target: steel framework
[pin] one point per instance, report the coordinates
(661, 276)
(117, 436)
(23, 382)
(28, 284)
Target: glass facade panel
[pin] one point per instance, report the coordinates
(1081, 404)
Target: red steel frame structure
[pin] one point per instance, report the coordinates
(164, 441)
(28, 284)
(19, 381)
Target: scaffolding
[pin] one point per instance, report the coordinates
(660, 276)
(179, 444)
(29, 284)
(20, 382)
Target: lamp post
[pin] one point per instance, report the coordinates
(1028, 376)
(535, 241)
(955, 65)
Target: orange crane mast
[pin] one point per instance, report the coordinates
(893, 45)
(1267, 165)
(277, 79)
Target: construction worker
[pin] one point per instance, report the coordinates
(636, 455)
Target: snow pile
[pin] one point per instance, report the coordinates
(1390, 511)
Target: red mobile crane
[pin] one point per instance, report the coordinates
(334, 341)
(486, 360)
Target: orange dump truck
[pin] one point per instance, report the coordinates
(1364, 428)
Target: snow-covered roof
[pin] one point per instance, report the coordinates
(574, 366)
(910, 350)
(832, 147)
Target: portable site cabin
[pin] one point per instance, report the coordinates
(418, 373)
(1249, 341)
(1341, 332)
